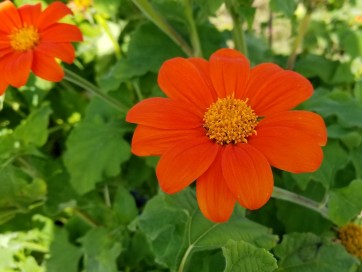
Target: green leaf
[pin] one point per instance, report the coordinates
(206, 261)
(34, 129)
(351, 42)
(124, 206)
(345, 203)
(343, 74)
(207, 8)
(306, 252)
(356, 158)
(95, 150)
(242, 256)
(247, 12)
(145, 48)
(60, 192)
(175, 226)
(285, 7)
(18, 192)
(100, 251)
(347, 110)
(316, 66)
(64, 256)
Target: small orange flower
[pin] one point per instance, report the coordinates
(31, 39)
(225, 125)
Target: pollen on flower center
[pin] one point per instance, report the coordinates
(25, 38)
(230, 121)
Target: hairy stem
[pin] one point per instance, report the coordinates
(86, 218)
(298, 40)
(194, 35)
(81, 82)
(283, 194)
(152, 14)
(238, 32)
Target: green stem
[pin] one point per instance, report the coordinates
(184, 259)
(81, 82)
(298, 40)
(282, 194)
(137, 90)
(238, 32)
(194, 35)
(102, 22)
(86, 218)
(107, 198)
(148, 10)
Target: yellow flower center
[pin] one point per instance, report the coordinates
(23, 39)
(230, 121)
(351, 238)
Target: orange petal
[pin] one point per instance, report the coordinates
(52, 14)
(17, 68)
(60, 33)
(229, 72)
(3, 86)
(185, 162)
(215, 200)
(278, 90)
(63, 51)
(259, 75)
(46, 67)
(203, 66)
(30, 14)
(148, 141)
(181, 80)
(287, 148)
(306, 122)
(248, 175)
(9, 17)
(5, 48)
(3, 82)
(164, 113)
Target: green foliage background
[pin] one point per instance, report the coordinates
(73, 198)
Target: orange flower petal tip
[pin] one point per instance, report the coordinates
(32, 40)
(225, 124)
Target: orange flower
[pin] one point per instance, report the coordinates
(30, 40)
(225, 125)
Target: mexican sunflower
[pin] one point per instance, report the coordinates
(32, 40)
(224, 125)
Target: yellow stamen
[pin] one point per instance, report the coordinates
(351, 237)
(230, 121)
(25, 38)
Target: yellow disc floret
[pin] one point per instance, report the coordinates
(351, 237)
(25, 38)
(230, 121)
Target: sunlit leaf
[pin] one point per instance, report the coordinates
(344, 204)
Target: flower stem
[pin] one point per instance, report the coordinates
(283, 194)
(194, 35)
(81, 82)
(86, 218)
(184, 259)
(103, 23)
(298, 40)
(238, 33)
(160, 22)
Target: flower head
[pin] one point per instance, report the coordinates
(224, 125)
(32, 40)
(351, 238)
